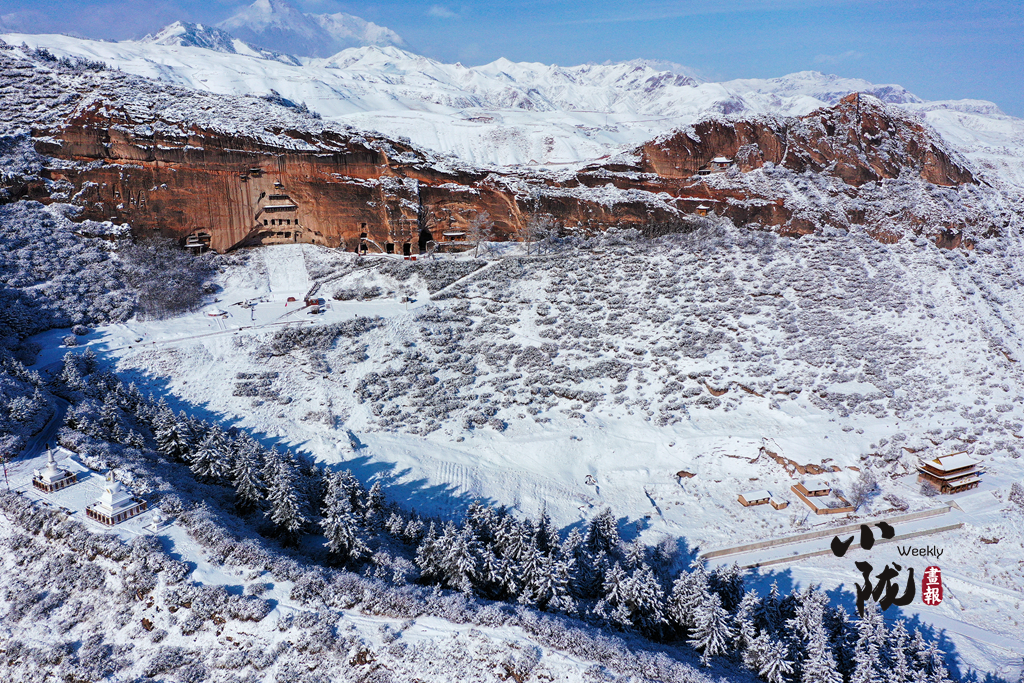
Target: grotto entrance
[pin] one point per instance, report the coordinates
(425, 237)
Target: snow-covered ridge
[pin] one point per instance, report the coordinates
(529, 114)
(184, 34)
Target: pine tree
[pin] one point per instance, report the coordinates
(869, 667)
(746, 626)
(464, 558)
(689, 592)
(492, 569)
(211, 460)
(285, 505)
(550, 587)
(603, 534)
(634, 600)
(636, 554)
(89, 361)
(769, 658)
(843, 636)
(245, 474)
(70, 376)
(341, 525)
(451, 557)
(930, 660)
(646, 601)
(769, 617)
(110, 414)
(172, 435)
(547, 538)
(413, 532)
(530, 566)
(711, 632)
(900, 669)
(480, 517)
(728, 583)
(429, 557)
(354, 488)
(373, 509)
(807, 625)
(573, 553)
(395, 525)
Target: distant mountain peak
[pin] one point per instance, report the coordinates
(185, 34)
(278, 25)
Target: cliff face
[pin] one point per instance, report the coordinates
(859, 140)
(838, 166)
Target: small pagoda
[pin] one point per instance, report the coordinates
(951, 473)
(115, 504)
(52, 478)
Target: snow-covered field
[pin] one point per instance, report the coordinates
(625, 364)
(529, 114)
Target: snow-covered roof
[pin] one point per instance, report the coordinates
(756, 495)
(948, 463)
(703, 206)
(114, 498)
(816, 484)
(721, 160)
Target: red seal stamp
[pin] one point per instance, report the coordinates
(931, 586)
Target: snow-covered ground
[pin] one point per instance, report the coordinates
(576, 380)
(528, 114)
(164, 632)
(836, 352)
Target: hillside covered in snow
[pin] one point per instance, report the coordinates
(506, 113)
(528, 457)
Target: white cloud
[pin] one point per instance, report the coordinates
(847, 56)
(441, 12)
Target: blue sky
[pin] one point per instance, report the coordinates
(938, 49)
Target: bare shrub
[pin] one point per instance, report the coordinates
(169, 280)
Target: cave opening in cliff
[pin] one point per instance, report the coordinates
(389, 247)
(407, 249)
(425, 237)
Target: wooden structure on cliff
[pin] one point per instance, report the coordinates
(277, 219)
(716, 165)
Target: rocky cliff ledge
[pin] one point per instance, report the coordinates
(238, 171)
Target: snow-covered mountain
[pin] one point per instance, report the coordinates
(184, 34)
(506, 113)
(277, 25)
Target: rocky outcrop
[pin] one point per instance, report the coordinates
(859, 140)
(844, 165)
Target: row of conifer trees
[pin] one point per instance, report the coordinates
(589, 573)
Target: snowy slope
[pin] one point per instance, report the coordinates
(507, 113)
(627, 365)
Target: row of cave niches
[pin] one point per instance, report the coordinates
(426, 244)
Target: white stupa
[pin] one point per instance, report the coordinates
(158, 523)
(115, 504)
(52, 478)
